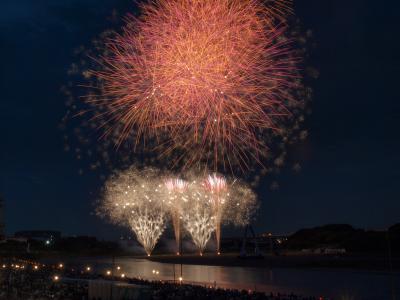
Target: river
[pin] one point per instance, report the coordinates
(332, 283)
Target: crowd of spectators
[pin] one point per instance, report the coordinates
(28, 284)
(163, 291)
(35, 281)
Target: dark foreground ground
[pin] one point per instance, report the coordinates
(379, 263)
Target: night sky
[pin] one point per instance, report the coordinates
(350, 162)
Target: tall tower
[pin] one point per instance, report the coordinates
(2, 221)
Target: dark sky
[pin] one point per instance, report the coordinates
(350, 169)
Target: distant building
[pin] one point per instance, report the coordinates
(275, 239)
(326, 251)
(2, 221)
(265, 241)
(45, 236)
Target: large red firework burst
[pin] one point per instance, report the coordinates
(206, 79)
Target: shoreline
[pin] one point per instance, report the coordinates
(352, 262)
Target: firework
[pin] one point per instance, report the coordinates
(198, 216)
(212, 201)
(143, 200)
(218, 189)
(135, 198)
(206, 80)
(176, 192)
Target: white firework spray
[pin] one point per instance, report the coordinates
(136, 198)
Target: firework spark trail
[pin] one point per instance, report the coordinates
(198, 216)
(207, 79)
(135, 198)
(148, 224)
(219, 194)
(213, 201)
(176, 190)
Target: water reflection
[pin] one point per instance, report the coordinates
(322, 282)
